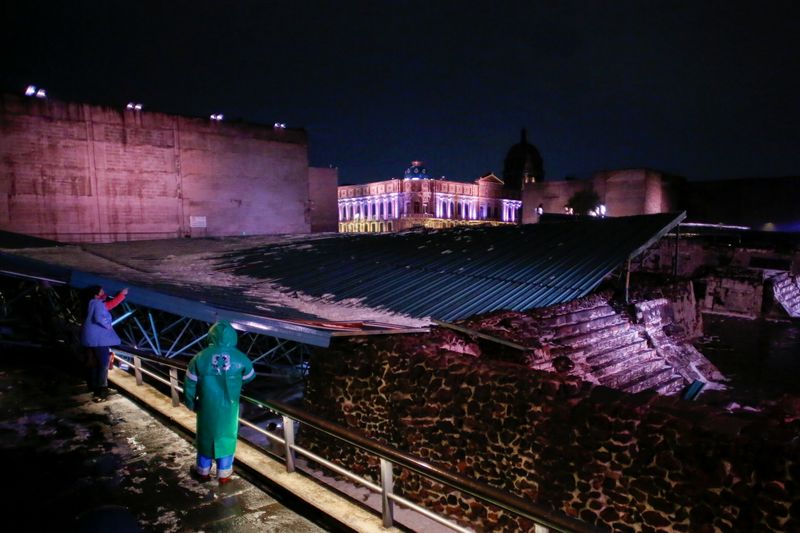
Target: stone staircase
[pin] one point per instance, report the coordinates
(607, 348)
(786, 289)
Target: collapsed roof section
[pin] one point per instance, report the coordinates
(460, 272)
(310, 288)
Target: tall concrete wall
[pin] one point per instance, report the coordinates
(82, 173)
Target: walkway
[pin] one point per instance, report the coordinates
(73, 465)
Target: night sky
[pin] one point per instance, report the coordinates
(701, 89)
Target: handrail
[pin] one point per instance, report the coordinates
(519, 506)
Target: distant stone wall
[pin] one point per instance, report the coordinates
(628, 462)
(699, 256)
(626, 192)
(740, 295)
(82, 173)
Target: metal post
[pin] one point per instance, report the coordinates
(173, 386)
(288, 436)
(627, 280)
(675, 254)
(137, 365)
(387, 487)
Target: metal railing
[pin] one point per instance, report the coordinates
(544, 518)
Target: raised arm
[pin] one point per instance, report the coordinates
(116, 300)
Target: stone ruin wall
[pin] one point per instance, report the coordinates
(730, 280)
(627, 462)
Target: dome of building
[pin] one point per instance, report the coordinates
(523, 163)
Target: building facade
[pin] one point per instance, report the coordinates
(417, 200)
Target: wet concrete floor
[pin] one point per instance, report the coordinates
(69, 464)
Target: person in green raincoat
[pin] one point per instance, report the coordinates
(212, 387)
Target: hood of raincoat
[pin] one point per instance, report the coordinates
(222, 334)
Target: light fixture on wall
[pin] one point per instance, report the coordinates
(133, 106)
(216, 116)
(279, 125)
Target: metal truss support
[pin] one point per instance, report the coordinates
(42, 312)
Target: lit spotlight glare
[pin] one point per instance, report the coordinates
(137, 107)
(129, 106)
(41, 93)
(30, 90)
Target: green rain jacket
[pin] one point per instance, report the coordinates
(212, 386)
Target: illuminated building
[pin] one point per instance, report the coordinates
(417, 200)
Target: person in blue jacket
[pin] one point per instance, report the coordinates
(98, 335)
(212, 386)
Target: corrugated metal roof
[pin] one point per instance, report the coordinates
(460, 272)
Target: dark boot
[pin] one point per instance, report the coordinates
(197, 476)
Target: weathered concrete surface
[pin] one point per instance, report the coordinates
(81, 173)
(73, 465)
